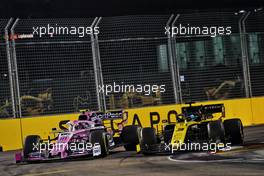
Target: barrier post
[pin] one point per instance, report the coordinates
(172, 60)
(95, 66)
(18, 111)
(15, 73)
(175, 64)
(99, 68)
(244, 50)
(10, 68)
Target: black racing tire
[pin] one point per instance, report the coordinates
(148, 136)
(168, 133)
(234, 131)
(100, 137)
(29, 144)
(216, 131)
(130, 137)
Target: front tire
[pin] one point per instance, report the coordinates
(130, 137)
(100, 137)
(216, 131)
(30, 143)
(168, 133)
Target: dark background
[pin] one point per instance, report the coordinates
(90, 8)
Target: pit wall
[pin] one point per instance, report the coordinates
(14, 131)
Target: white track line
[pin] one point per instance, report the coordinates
(200, 161)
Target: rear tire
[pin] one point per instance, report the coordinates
(148, 137)
(234, 131)
(100, 137)
(29, 144)
(130, 137)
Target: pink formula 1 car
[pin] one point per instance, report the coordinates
(87, 136)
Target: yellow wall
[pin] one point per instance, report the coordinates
(10, 136)
(248, 110)
(257, 107)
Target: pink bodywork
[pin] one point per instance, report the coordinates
(75, 132)
(60, 147)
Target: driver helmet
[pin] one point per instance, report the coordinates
(193, 117)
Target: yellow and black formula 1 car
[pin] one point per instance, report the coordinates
(202, 128)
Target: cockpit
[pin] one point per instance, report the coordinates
(79, 125)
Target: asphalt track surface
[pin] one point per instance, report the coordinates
(247, 160)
